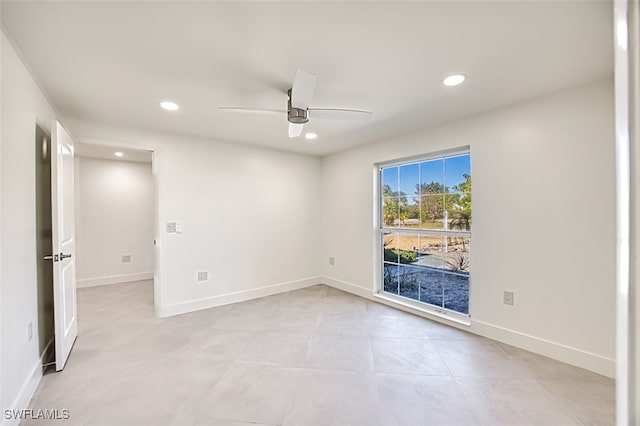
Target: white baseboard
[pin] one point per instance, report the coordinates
(240, 296)
(114, 279)
(567, 354)
(348, 287)
(25, 394)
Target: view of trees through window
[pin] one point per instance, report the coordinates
(426, 230)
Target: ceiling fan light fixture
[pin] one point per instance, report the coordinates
(118, 154)
(454, 80)
(310, 136)
(297, 116)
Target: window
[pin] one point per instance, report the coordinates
(425, 231)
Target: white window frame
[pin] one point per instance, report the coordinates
(380, 230)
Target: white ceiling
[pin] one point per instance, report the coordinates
(108, 153)
(113, 62)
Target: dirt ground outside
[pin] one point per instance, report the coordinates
(426, 244)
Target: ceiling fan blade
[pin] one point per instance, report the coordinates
(302, 90)
(295, 130)
(253, 110)
(338, 113)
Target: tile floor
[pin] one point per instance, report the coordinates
(316, 356)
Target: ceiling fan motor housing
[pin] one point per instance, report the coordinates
(296, 115)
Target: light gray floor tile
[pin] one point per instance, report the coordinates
(408, 356)
(506, 402)
(348, 304)
(218, 345)
(160, 339)
(329, 398)
(275, 348)
(266, 304)
(342, 323)
(303, 358)
(301, 303)
(330, 292)
(247, 318)
(411, 400)
(109, 336)
(108, 416)
(334, 352)
(251, 393)
(593, 402)
(396, 326)
(481, 358)
(198, 319)
(438, 331)
(542, 367)
(317, 291)
(292, 322)
(219, 422)
(376, 308)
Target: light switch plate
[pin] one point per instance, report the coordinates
(171, 227)
(508, 298)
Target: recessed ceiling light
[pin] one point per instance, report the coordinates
(310, 135)
(169, 106)
(454, 80)
(119, 154)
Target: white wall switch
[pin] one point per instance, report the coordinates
(126, 258)
(174, 227)
(508, 298)
(203, 276)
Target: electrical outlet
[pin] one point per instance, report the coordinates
(508, 298)
(126, 258)
(30, 330)
(332, 260)
(203, 276)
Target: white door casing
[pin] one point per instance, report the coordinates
(64, 243)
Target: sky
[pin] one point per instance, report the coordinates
(448, 171)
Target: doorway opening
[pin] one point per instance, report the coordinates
(115, 235)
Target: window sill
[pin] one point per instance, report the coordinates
(424, 310)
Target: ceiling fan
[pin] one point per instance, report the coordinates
(298, 110)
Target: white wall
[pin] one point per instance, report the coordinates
(114, 217)
(251, 216)
(23, 105)
(1, 238)
(543, 224)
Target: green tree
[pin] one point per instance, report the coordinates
(431, 201)
(394, 205)
(459, 206)
(430, 188)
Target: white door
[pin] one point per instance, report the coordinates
(64, 244)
